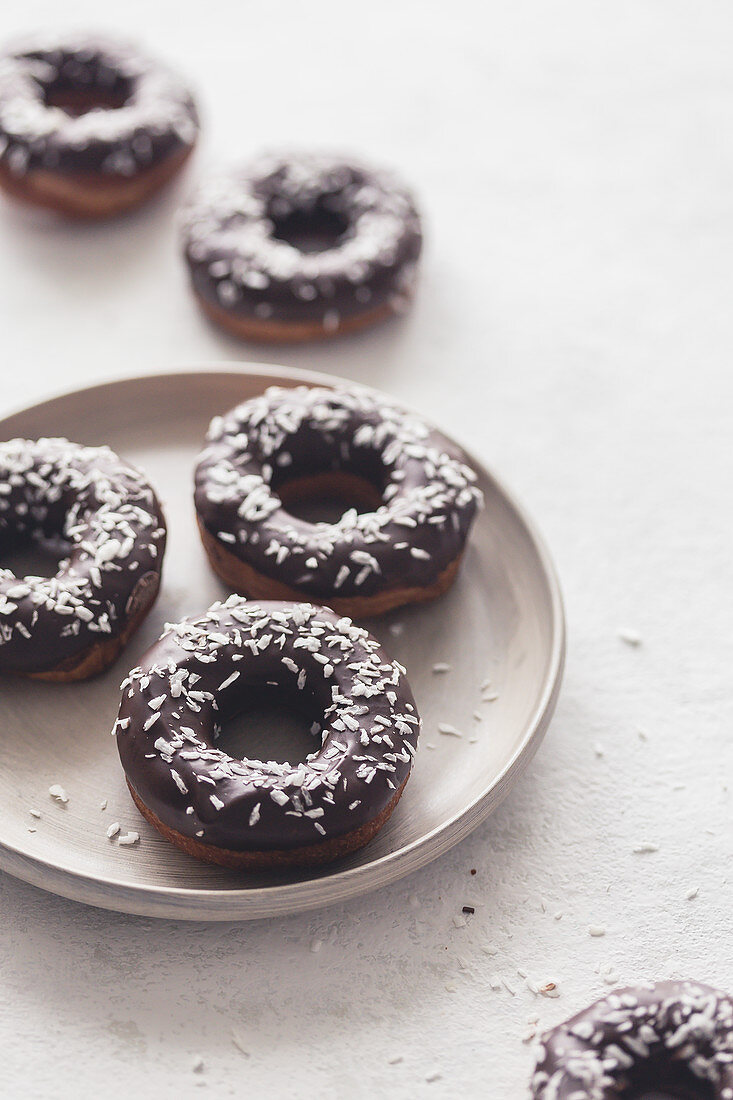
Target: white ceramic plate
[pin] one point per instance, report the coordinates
(501, 621)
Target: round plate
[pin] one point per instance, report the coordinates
(501, 622)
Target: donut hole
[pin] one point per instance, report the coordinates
(315, 230)
(660, 1080)
(324, 496)
(272, 725)
(28, 557)
(76, 100)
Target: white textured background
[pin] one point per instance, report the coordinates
(575, 166)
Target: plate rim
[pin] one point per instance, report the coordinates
(180, 903)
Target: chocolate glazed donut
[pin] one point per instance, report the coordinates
(676, 1037)
(294, 443)
(301, 247)
(88, 126)
(108, 521)
(253, 813)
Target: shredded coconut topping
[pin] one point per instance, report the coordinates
(429, 497)
(107, 519)
(243, 262)
(156, 116)
(347, 780)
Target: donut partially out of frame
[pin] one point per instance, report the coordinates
(301, 247)
(106, 518)
(89, 127)
(245, 813)
(291, 444)
(675, 1037)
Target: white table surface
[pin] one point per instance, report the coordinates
(574, 162)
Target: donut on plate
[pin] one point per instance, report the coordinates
(88, 126)
(245, 813)
(105, 519)
(673, 1036)
(292, 444)
(301, 247)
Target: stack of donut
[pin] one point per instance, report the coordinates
(294, 640)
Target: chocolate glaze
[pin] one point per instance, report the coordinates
(146, 114)
(428, 494)
(206, 670)
(107, 515)
(675, 1036)
(243, 240)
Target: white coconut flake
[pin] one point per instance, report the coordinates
(448, 730)
(179, 782)
(229, 680)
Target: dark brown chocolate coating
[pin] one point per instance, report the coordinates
(204, 671)
(302, 238)
(109, 520)
(145, 115)
(428, 493)
(673, 1036)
